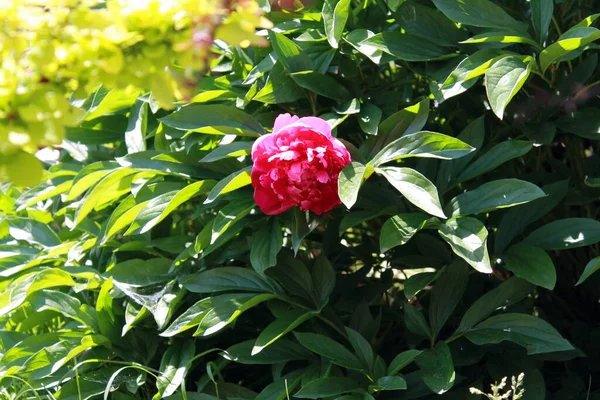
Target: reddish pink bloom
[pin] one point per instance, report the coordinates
(297, 165)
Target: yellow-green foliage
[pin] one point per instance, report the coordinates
(59, 49)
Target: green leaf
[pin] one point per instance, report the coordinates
(279, 352)
(404, 122)
(31, 231)
(428, 23)
(65, 304)
(437, 368)
(584, 123)
(362, 348)
(266, 244)
(165, 164)
(289, 53)
(422, 144)
(446, 295)
(229, 215)
(465, 74)
(573, 39)
(500, 37)
(350, 181)
(335, 16)
(279, 88)
(323, 85)
(280, 388)
(415, 283)
(295, 277)
(140, 273)
(348, 108)
(230, 150)
(327, 387)
(329, 349)
(356, 39)
(280, 327)
(532, 264)
(121, 217)
(535, 334)
(230, 183)
(323, 278)
(503, 80)
(174, 366)
(468, 239)
(389, 383)
(415, 187)
(355, 218)
(541, 15)
(369, 118)
(590, 268)
(407, 47)
(482, 13)
(17, 292)
(398, 230)
(157, 209)
(137, 127)
(212, 314)
(112, 186)
(517, 219)
(567, 233)
(224, 279)
(494, 195)
(402, 360)
(496, 156)
(506, 294)
(213, 119)
(415, 321)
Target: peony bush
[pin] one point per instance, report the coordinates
(300, 200)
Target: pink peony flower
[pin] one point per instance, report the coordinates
(297, 165)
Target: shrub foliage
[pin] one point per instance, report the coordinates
(464, 251)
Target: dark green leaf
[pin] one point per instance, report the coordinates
(329, 349)
(323, 278)
(517, 219)
(279, 352)
(362, 348)
(402, 360)
(369, 118)
(481, 13)
(323, 85)
(535, 334)
(494, 195)
(505, 295)
(408, 47)
(213, 119)
(266, 244)
(226, 279)
(541, 15)
(398, 230)
(280, 327)
(389, 383)
(446, 295)
(495, 157)
(565, 233)
(532, 264)
(428, 23)
(415, 321)
(590, 268)
(437, 368)
(327, 387)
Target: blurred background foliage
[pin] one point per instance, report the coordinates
(140, 266)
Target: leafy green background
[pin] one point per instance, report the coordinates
(464, 252)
